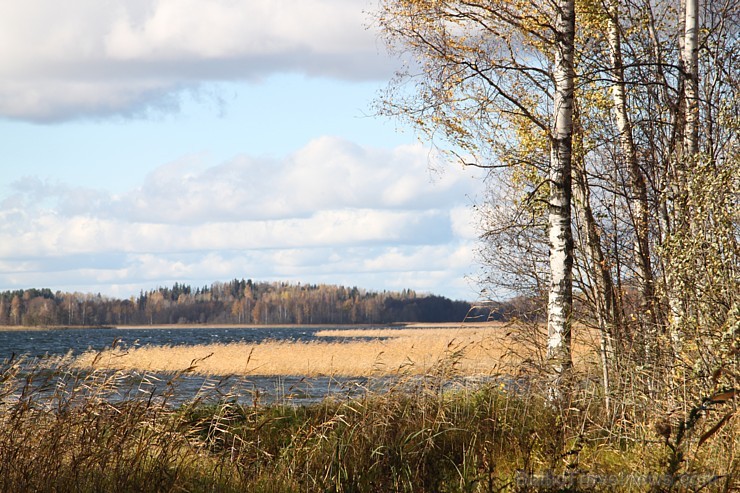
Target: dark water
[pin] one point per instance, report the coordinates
(41, 345)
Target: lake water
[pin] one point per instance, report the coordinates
(41, 343)
(46, 344)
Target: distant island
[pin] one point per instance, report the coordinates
(238, 302)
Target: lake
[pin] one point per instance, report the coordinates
(48, 344)
(41, 343)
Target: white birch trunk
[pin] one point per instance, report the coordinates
(560, 299)
(690, 79)
(638, 194)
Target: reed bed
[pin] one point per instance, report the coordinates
(79, 424)
(71, 431)
(362, 352)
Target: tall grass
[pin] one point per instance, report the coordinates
(363, 352)
(67, 434)
(64, 429)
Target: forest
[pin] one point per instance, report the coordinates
(237, 302)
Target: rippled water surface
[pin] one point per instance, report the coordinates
(42, 344)
(38, 343)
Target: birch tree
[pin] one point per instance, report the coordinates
(494, 81)
(638, 196)
(687, 154)
(560, 300)
(651, 162)
(690, 57)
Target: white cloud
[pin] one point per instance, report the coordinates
(464, 222)
(53, 235)
(328, 174)
(76, 58)
(332, 211)
(329, 212)
(433, 269)
(220, 29)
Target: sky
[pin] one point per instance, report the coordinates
(147, 142)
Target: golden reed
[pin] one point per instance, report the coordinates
(364, 352)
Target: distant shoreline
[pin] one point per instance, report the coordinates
(400, 325)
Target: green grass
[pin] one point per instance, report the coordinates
(407, 438)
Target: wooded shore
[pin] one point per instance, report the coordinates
(400, 325)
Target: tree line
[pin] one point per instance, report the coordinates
(239, 302)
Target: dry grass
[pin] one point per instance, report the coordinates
(472, 351)
(14, 328)
(64, 430)
(73, 438)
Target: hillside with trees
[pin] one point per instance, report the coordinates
(236, 302)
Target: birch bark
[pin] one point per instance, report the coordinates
(691, 80)
(560, 298)
(682, 213)
(638, 197)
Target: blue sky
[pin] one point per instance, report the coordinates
(147, 142)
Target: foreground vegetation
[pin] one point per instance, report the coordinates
(85, 431)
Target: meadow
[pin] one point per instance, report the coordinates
(78, 426)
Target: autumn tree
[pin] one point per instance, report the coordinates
(15, 310)
(495, 80)
(652, 155)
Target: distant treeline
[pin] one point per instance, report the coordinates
(238, 301)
